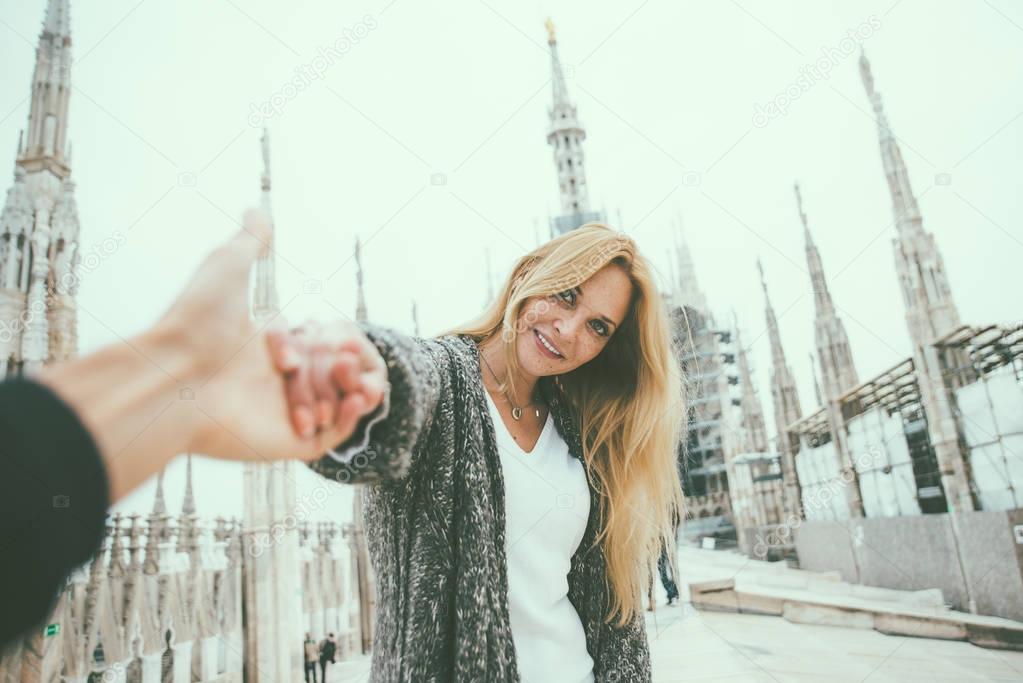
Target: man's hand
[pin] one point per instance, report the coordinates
(240, 406)
(202, 380)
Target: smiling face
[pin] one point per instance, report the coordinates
(560, 332)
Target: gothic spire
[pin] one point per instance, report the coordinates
(816, 382)
(773, 333)
(415, 319)
(837, 368)
(930, 309)
(58, 18)
(560, 90)
(566, 135)
(670, 289)
(159, 504)
(46, 143)
(821, 296)
(688, 289)
(785, 400)
(360, 296)
(265, 303)
(754, 427)
(40, 213)
(904, 206)
(188, 505)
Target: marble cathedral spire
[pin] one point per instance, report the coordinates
(687, 288)
(837, 368)
(271, 605)
(783, 386)
(158, 528)
(566, 135)
(784, 398)
(265, 303)
(816, 383)
(753, 424)
(188, 504)
(360, 296)
(39, 228)
(821, 296)
(46, 145)
(415, 319)
(159, 501)
(930, 310)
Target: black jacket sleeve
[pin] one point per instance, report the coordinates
(53, 500)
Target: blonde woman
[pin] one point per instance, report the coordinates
(524, 470)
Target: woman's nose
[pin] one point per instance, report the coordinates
(566, 327)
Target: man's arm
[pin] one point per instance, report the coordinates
(129, 397)
(83, 433)
(201, 380)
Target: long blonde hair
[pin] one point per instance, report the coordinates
(627, 401)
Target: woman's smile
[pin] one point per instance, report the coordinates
(546, 347)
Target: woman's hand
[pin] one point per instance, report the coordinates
(334, 376)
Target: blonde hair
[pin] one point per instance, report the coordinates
(627, 401)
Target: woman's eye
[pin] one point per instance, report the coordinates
(567, 296)
(600, 328)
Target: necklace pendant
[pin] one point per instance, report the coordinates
(516, 412)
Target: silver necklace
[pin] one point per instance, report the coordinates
(516, 411)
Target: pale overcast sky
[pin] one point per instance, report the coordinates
(166, 153)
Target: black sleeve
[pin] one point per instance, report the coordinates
(53, 500)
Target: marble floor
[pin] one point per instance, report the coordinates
(691, 645)
(688, 645)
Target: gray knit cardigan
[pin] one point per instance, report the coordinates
(435, 525)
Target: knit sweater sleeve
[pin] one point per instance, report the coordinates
(385, 440)
(625, 651)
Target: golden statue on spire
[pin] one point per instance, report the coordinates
(550, 30)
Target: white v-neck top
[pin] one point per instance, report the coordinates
(547, 504)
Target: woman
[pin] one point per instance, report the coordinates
(484, 574)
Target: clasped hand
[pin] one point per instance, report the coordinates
(264, 391)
